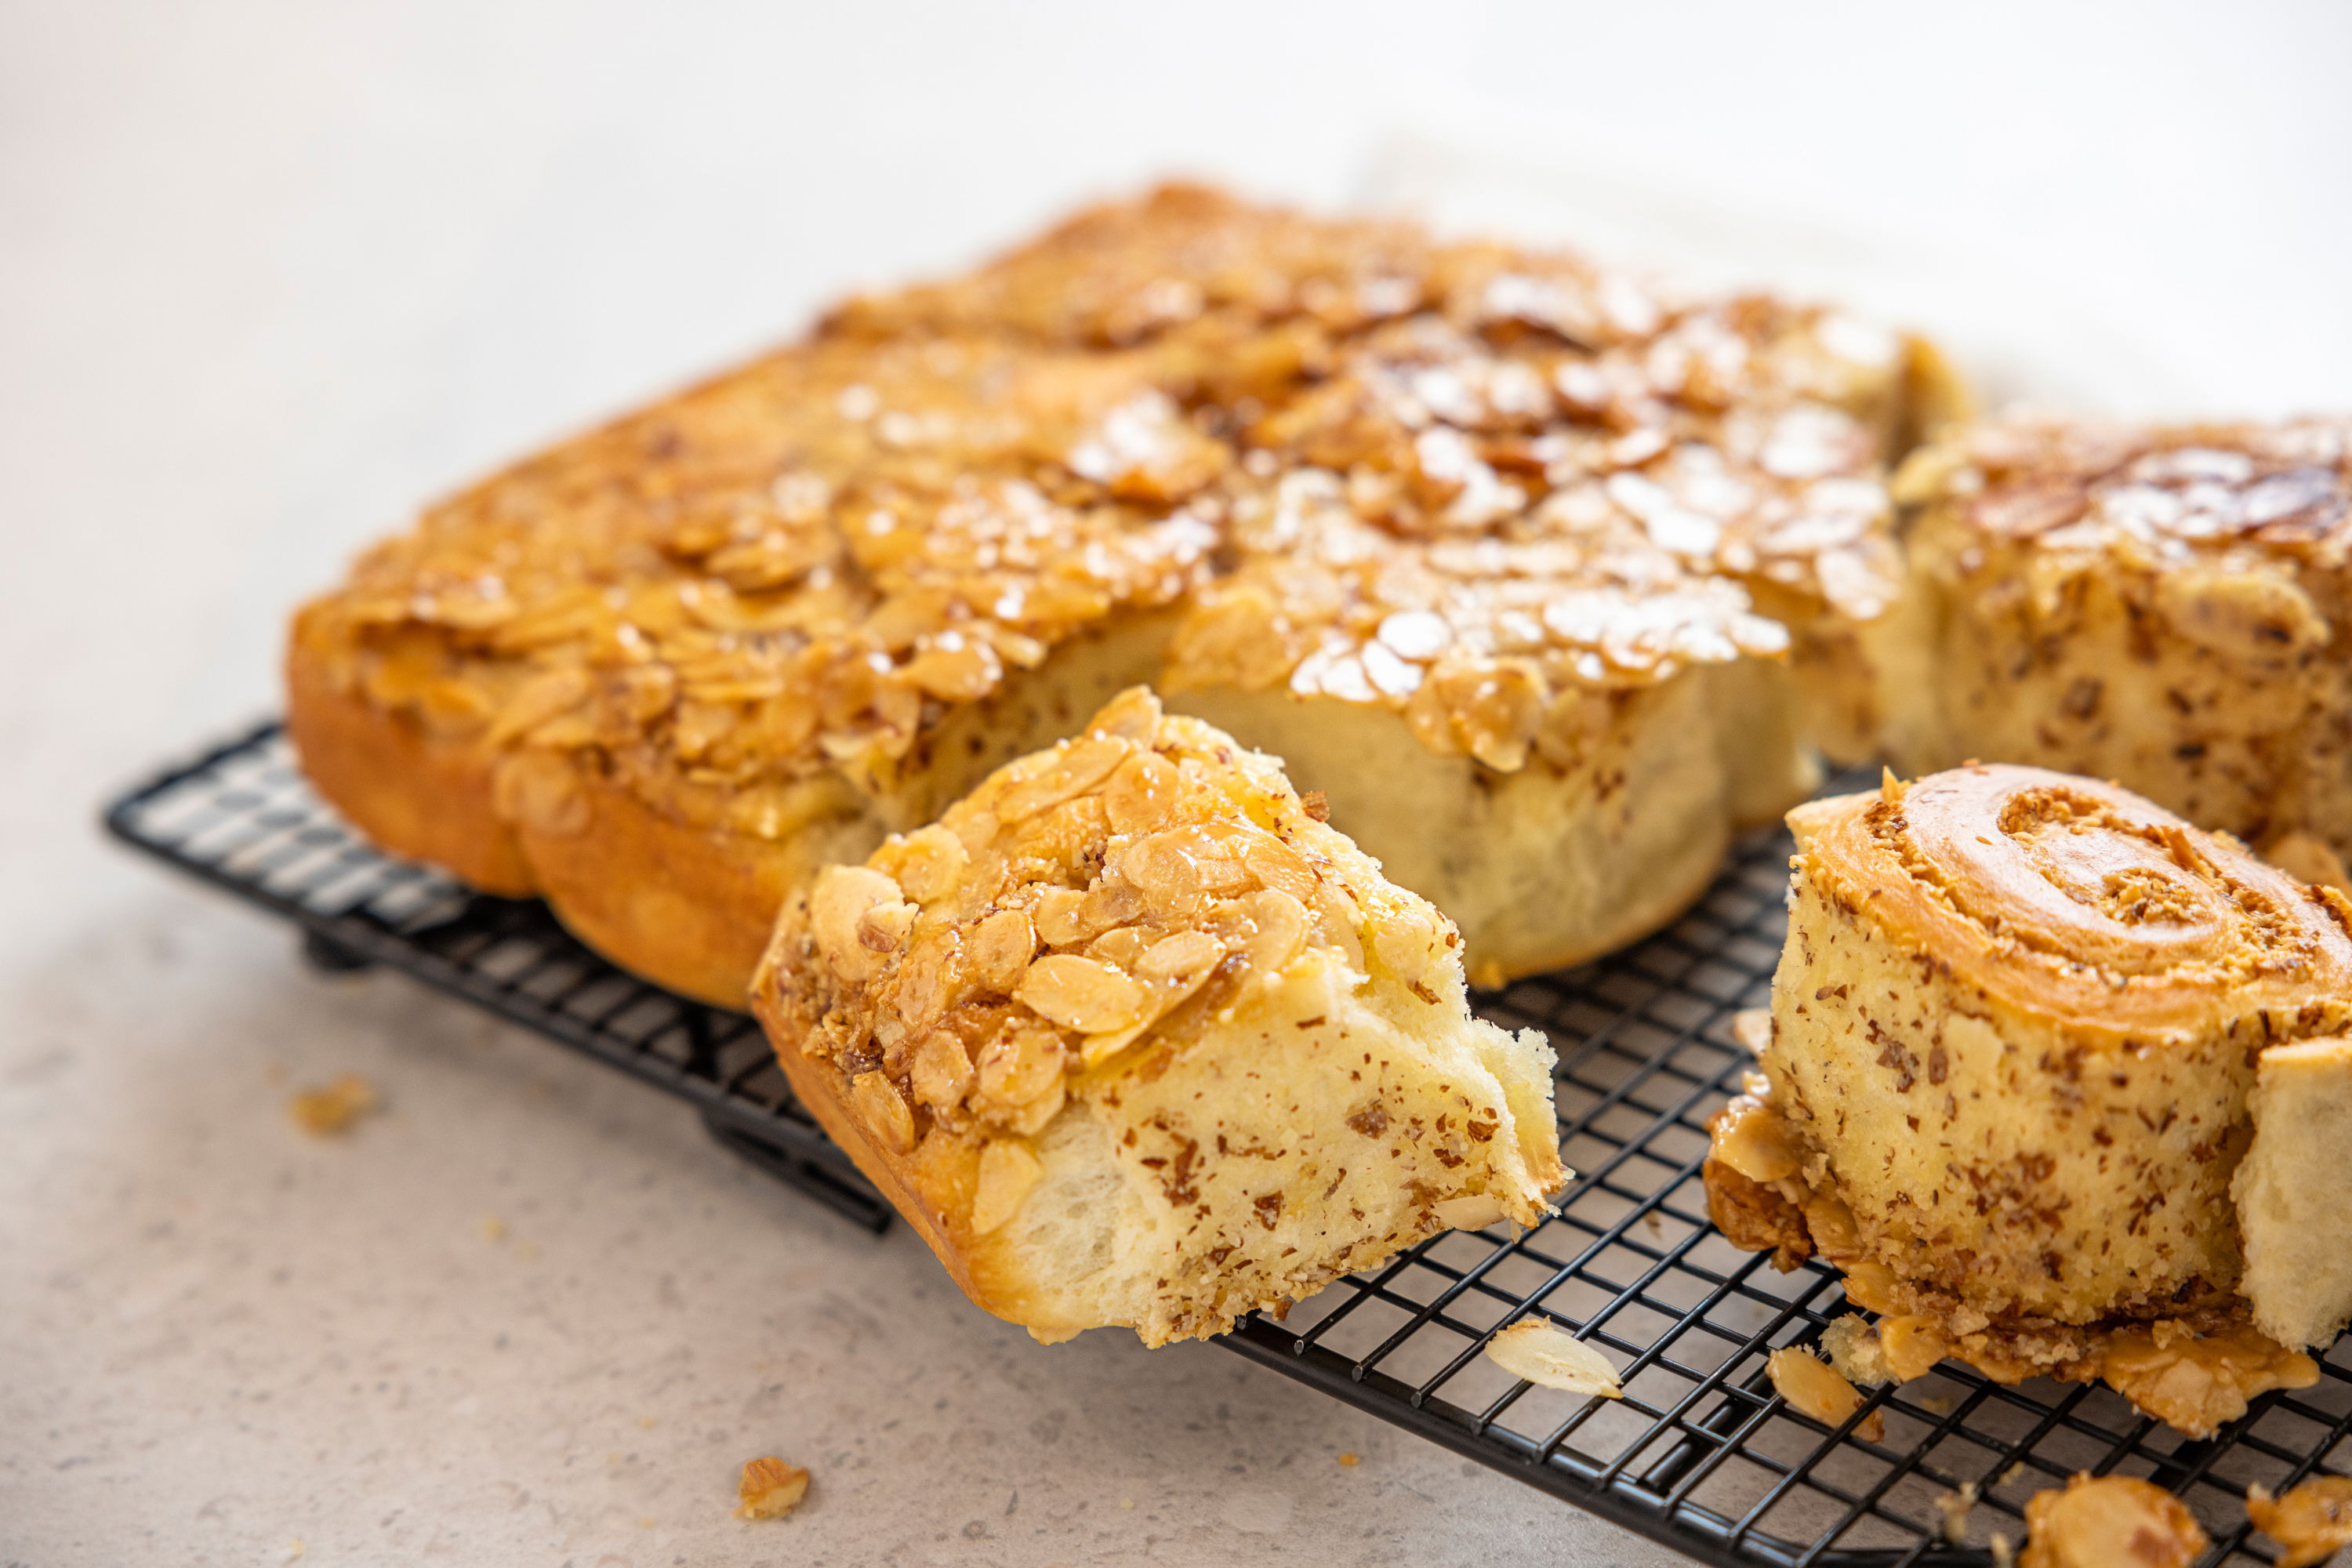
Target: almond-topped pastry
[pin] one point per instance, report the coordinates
(2014, 1031)
(1543, 574)
(1133, 1038)
(2166, 608)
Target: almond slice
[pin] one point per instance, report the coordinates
(1542, 1352)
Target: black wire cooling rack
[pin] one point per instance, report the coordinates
(1699, 1453)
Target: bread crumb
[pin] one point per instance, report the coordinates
(323, 1112)
(493, 1228)
(1318, 806)
(2004, 1554)
(1955, 1508)
(771, 1488)
(1127, 1502)
(1752, 1027)
(1544, 1353)
(1349, 1460)
(1851, 1344)
(645, 1521)
(294, 1549)
(2310, 1521)
(648, 1422)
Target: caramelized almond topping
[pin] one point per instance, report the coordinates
(2112, 1521)
(1477, 486)
(2311, 1524)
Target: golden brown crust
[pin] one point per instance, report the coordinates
(2075, 901)
(690, 906)
(413, 793)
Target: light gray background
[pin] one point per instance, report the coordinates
(272, 274)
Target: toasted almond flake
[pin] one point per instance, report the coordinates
(2096, 1522)
(1279, 924)
(1076, 766)
(1544, 1353)
(839, 902)
(939, 1071)
(1056, 915)
(928, 862)
(540, 700)
(1174, 959)
(1142, 794)
(883, 1111)
(998, 950)
(1813, 1387)
(1082, 994)
(1007, 1172)
(2312, 1521)
(1018, 1066)
(1473, 1211)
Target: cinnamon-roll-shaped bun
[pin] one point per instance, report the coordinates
(2014, 1031)
(2163, 607)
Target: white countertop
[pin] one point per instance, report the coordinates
(271, 275)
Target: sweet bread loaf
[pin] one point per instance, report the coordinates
(2165, 607)
(1133, 1038)
(2015, 1029)
(1544, 577)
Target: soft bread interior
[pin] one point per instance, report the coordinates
(1570, 855)
(1319, 1191)
(2293, 1193)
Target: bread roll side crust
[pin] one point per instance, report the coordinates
(412, 792)
(688, 908)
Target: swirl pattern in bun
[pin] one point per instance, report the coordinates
(2015, 1028)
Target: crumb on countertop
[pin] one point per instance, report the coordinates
(1350, 1460)
(771, 1488)
(323, 1112)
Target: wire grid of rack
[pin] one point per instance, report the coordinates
(1699, 1453)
